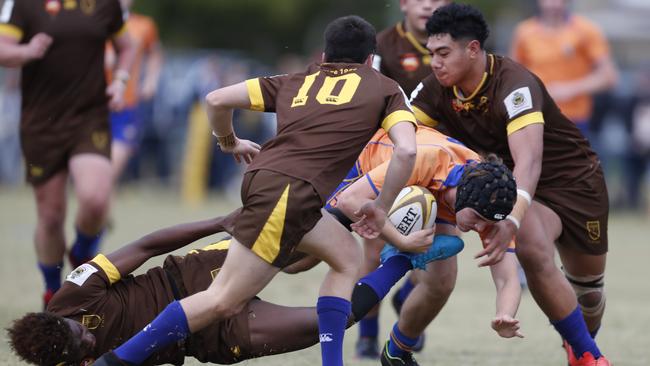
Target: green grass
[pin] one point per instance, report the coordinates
(461, 335)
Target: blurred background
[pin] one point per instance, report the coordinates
(209, 44)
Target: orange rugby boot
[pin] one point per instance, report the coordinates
(571, 358)
(588, 359)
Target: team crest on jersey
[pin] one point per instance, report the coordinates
(593, 229)
(88, 6)
(518, 101)
(52, 7)
(92, 321)
(69, 4)
(81, 274)
(410, 62)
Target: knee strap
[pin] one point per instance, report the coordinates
(584, 285)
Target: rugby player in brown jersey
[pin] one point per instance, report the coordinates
(64, 124)
(402, 56)
(325, 116)
(492, 104)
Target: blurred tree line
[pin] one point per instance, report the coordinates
(264, 29)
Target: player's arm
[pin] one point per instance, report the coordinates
(220, 104)
(125, 55)
(508, 288)
(15, 54)
(133, 255)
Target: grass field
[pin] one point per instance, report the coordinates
(460, 336)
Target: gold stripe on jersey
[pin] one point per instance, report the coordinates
(396, 117)
(480, 85)
(423, 117)
(220, 245)
(255, 94)
(108, 267)
(525, 120)
(267, 244)
(120, 31)
(12, 31)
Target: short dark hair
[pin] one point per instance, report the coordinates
(460, 21)
(42, 339)
(488, 187)
(349, 39)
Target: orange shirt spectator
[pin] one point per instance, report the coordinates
(569, 53)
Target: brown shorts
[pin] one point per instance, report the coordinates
(583, 208)
(278, 211)
(48, 150)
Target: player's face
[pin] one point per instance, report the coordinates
(84, 340)
(417, 12)
(451, 59)
(469, 219)
(553, 7)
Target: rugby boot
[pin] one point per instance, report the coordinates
(405, 360)
(367, 348)
(588, 359)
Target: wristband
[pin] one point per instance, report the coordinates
(514, 221)
(525, 195)
(226, 141)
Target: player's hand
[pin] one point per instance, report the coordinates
(243, 150)
(418, 241)
(37, 46)
(496, 242)
(115, 93)
(506, 326)
(371, 220)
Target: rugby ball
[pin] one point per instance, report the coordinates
(414, 208)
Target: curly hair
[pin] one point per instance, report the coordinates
(460, 21)
(41, 339)
(488, 187)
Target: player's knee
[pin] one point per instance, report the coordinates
(223, 308)
(94, 203)
(348, 258)
(440, 289)
(534, 261)
(51, 219)
(590, 292)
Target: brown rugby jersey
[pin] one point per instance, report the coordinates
(69, 79)
(401, 57)
(114, 308)
(508, 98)
(325, 117)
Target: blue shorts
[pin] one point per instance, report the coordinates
(126, 126)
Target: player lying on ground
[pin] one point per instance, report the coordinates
(101, 304)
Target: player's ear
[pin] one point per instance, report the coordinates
(369, 60)
(474, 48)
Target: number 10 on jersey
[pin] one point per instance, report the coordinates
(325, 93)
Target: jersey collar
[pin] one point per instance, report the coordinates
(411, 38)
(488, 72)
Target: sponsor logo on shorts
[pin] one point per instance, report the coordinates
(325, 337)
(593, 229)
(35, 171)
(236, 351)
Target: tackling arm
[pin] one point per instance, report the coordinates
(508, 288)
(14, 54)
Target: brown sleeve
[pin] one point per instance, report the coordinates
(397, 106)
(264, 91)
(116, 22)
(13, 19)
(424, 99)
(520, 100)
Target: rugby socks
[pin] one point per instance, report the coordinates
(399, 344)
(85, 247)
(369, 327)
(51, 275)
(574, 329)
(387, 274)
(168, 327)
(333, 313)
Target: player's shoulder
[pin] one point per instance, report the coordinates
(508, 70)
(582, 23)
(527, 27)
(388, 36)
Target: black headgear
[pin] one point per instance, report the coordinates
(489, 188)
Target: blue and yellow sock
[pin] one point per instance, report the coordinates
(333, 313)
(574, 329)
(85, 246)
(168, 327)
(51, 275)
(398, 344)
